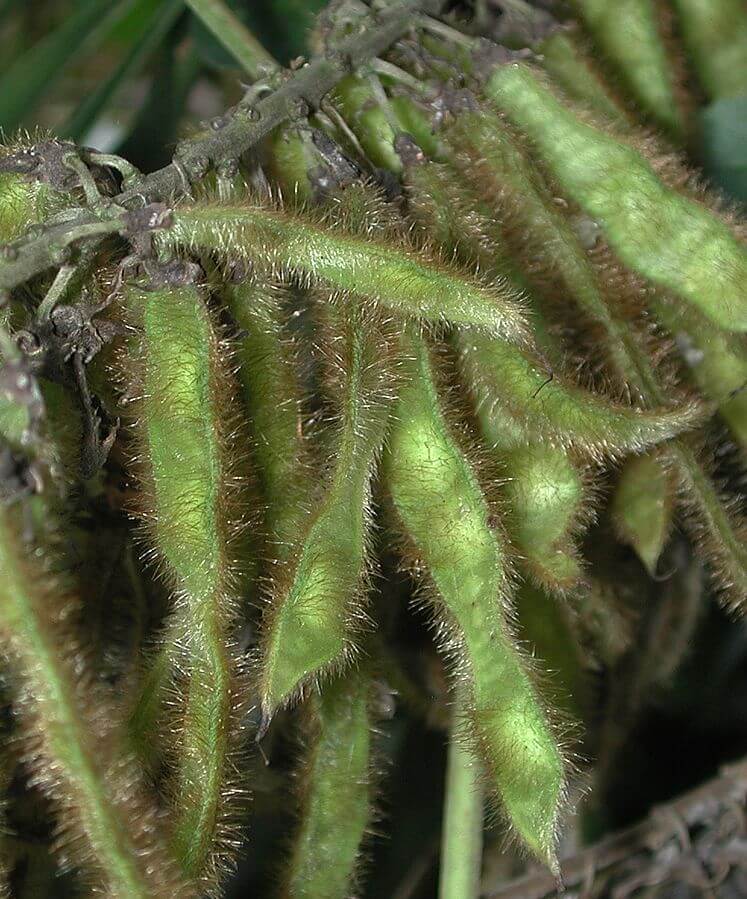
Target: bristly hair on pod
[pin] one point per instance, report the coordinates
(335, 784)
(74, 745)
(445, 516)
(312, 251)
(662, 233)
(190, 504)
(318, 599)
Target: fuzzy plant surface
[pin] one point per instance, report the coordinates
(432, 328)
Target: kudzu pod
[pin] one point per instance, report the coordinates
(75, 750)
(545, 485)
(546, 499)
(716, 361)
(667, 237)
(572, 67)
(545, 494)
(444, 513)
(534, 226)
(24, 199)
(394, 274)
(335, 785)
(188, 475)
(545, 405)
(317, 603)
(718, 529)
(715, 33)
(551, 632)
(415, 121)
(290, 163)
(643, 505)
(270, 380)
(365, 107)
(518, 383)
(629, 34)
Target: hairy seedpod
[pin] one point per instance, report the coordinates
(533, 225)
(24, 199)
(668, 237)
(595, 289)
(335, 790)
(573, 68)
(317, 603)
(415, 121)
(291, 162)
(548, 408)
(365, 106)
(74, 745)
(552, 632)
(629, 34)
(394, 274)
(545, 493)
(445, 515)
(184, 431)
(272, 394)
(643, 505)
(716, 361)
(715, 33)
(519, 383)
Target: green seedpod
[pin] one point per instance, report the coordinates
(24, 199)
(317, 603)
(716, 361)
(550, 409)
(514, 382)
(545, 493)
(629, 33)
(189, 479)
(643, 505)
(365, 107)
(272, 393)
(715, 33)
(668, 237)
(718, 529)
(445, 515)
(291, 160)
(415, 121)
(75, 750)
(572, 67)
(552, 634)
(335, 790)
(393, 273)
(535, 227)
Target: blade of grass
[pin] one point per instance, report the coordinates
(29, 77)
(154, 24)
(226, 26)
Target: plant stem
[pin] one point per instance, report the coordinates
(226, 26)
(245, 128)
(461, 840)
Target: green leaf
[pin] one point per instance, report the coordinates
(29, 77)
(153, 24)
(724, 136)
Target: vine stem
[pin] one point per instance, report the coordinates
(296, 96)
(226, 26)
(461, 840)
